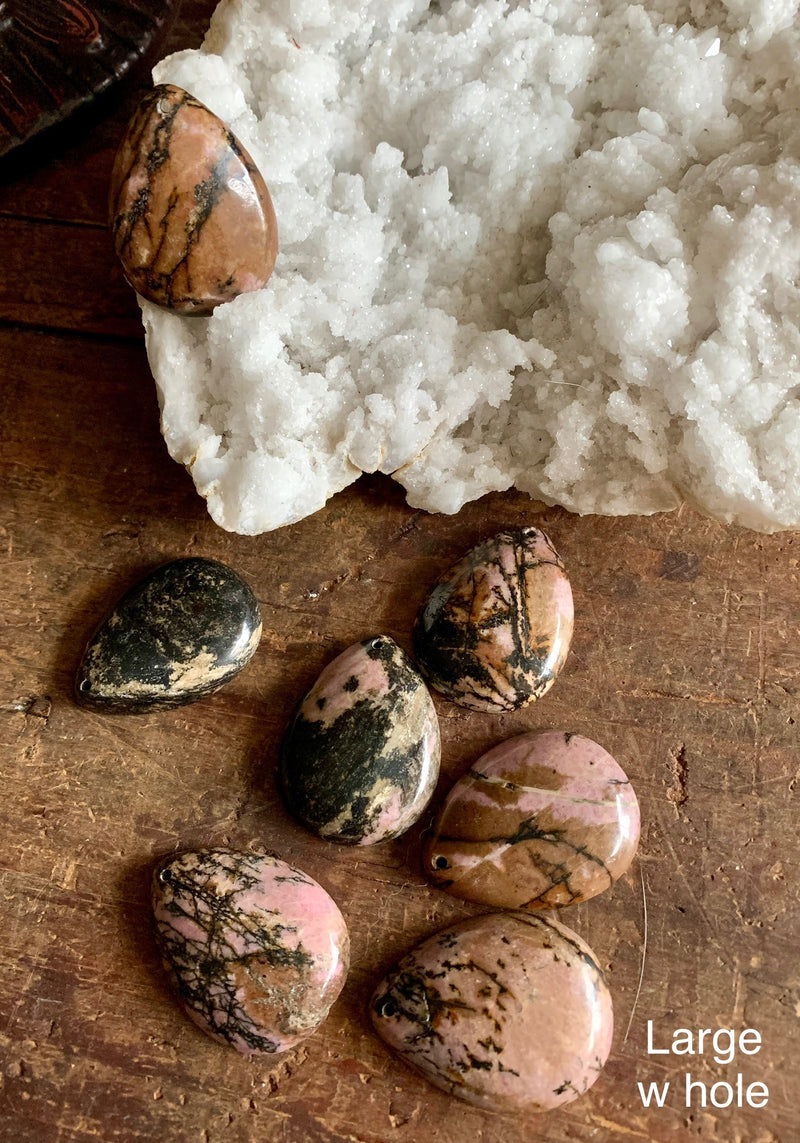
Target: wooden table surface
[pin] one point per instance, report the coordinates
(684, 665)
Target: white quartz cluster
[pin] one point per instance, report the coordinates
(545, 243)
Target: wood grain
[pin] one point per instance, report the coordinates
(58, 56)
(684, 665)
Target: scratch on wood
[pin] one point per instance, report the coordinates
(758, 709)
(314, 593)
(404, 529)
(618, 1128)
(791, 780)
(678, 792)
(37, 706)
(725, 620)
(681, 696)
(36, 709)
(33, 977)
(356, 573)
(739, 994)
(690, 889)
(64, 872)
(750, 921)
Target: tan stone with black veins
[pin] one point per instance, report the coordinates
(542, 820)
(192, 218)
(494, 631)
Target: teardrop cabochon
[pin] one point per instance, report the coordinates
(494, 631)
(191, 215)
(256, 950)
(176, 636)
(360, 760)
(507, 1011)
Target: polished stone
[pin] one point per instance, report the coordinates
(256, 950)
(361, 758)
(179, 634)
(495, 630)
(541, 820)
(192, 218)
(507, 1011)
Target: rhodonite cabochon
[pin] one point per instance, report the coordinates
(494, 631)
(256, 950)
(181, 633)
(192, 218)
(361, 757)
(543, 819)
(507, 1011)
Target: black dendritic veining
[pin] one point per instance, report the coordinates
(568, 943)
(447, 644)
(169, 281)
(203, 969)
(459, 974)
(413, 994)
(558, 871)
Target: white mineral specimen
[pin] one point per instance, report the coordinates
(552, 243)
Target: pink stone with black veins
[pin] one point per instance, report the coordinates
(256, 950)
(494, 631)
(361, 758)
(543, 819)
(508, 1011)
(192, 217)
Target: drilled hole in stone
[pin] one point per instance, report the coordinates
(387, 1007)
